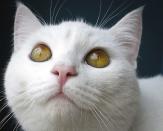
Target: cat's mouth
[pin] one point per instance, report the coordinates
(61, 96)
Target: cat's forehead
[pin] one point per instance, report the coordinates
(70, 33)
(70, 28)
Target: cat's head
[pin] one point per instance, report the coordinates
(60, 75)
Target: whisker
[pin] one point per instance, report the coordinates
(3, 107)
(5, 118)
(3, 99)
(31, 102)
(115, 11)
(96, 117)
(1, 126)
(88, 94)
(55, 7)
(117, 109)
(59, 10)
(118, 8)
(108, 122)
(91, 89)
(110, 6)
(50, 11)
(16, 127)
(28, 108)
(39, 93)
(109, 19)
(25, 103)
(101, 118)
(99, 13)
(39, 17)
(86, 98)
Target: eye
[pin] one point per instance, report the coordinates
(97, 58)
(40, 53)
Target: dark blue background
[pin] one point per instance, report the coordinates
(150, 60)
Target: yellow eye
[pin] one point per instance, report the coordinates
(97, 58)
(40, 53)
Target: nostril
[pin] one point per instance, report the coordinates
(56, 72)
(70, 74)
(65, 71)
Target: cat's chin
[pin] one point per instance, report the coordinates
(57, 96)
(61, 99)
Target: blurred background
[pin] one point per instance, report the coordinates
(150, 59)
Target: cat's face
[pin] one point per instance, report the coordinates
(64, 86)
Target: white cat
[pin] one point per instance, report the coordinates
(77, 77)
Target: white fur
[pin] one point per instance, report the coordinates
(105, 99)
(150, 113)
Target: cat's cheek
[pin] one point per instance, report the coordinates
(10, 84)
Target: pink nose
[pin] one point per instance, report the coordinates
(63, 73)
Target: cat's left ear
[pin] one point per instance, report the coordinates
(128, 33)
(25, 24)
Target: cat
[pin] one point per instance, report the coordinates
(74, 76)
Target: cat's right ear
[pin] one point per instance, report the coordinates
(25, 24)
